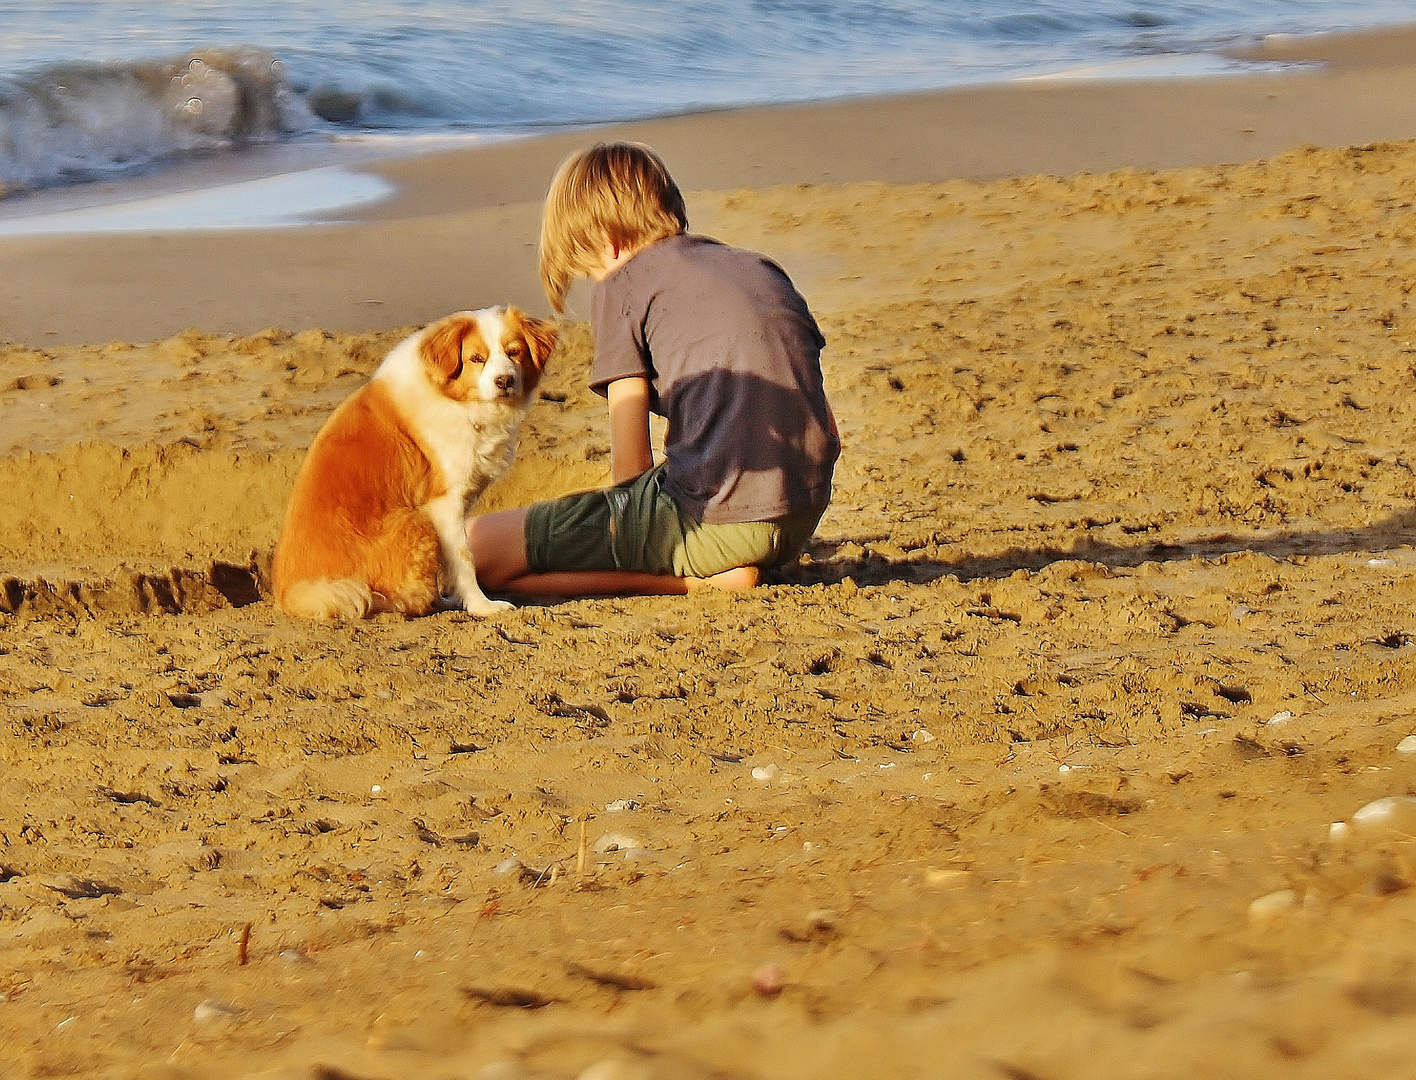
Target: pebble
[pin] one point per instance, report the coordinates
(1339, 832)
(1407, 745)
(822, 920)
(946, 879)
(211, 1009)
(617, 842)
(765, 773)
(921, 736)
(506, 866)
(1269, 910)
(768, 980)
(1396, 813)
(619, 806)
(1381, 562)
(376, 789)
(1278, 719)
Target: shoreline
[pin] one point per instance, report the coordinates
(460, 229)
(216, 171)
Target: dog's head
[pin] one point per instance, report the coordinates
(496, 354)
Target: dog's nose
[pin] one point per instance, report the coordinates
(505, 382)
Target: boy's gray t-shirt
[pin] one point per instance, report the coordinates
(733, 359)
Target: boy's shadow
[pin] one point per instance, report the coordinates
(827, 567)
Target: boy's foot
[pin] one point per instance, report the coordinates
(738, 579)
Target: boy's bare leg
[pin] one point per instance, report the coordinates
(738, 579)
(625, 583)
(498, 543)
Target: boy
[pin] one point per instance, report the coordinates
(711, 337)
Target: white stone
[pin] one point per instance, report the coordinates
(1395, 813)
(507, 866)
(1268, 910)
(1381, 562)
(617, 842)
(211, 1009)
(1339, 831)
(922, 736)
(1407, 745)
(765, 773)
(1278, 719)
(946, 879)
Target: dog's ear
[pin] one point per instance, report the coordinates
(541, 336)
(442, 346)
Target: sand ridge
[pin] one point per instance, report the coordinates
(1108, 621)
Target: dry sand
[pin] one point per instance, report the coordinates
(1027, 771)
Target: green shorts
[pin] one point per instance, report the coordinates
(638, 526)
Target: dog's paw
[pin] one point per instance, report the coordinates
(480, 605)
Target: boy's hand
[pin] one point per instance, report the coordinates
(630, 453)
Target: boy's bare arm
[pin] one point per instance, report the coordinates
(630, 453)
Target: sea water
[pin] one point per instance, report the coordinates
(97, 89)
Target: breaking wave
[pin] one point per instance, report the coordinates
(72, 122)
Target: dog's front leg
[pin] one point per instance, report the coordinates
(449, 518)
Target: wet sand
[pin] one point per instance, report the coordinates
(1029, 770)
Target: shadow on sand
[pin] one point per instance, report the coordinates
(829, 567)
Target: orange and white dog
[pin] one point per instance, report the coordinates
(378, 517)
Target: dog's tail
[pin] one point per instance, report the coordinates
(323, 598)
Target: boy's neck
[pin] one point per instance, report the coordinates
(612, 257)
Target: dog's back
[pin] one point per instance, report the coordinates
(352, 538)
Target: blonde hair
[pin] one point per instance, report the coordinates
(619, 192)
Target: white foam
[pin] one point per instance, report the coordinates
(1169, 66)
(270, 202)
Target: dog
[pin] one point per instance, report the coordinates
(377, 519)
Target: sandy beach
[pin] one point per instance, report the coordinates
(1046, 763)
